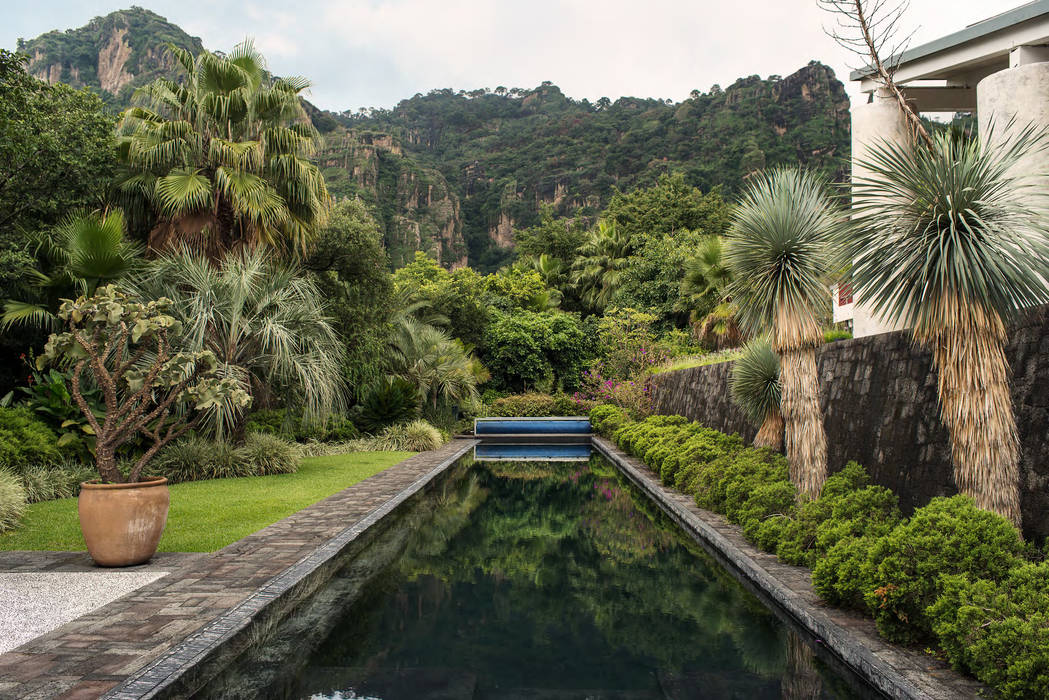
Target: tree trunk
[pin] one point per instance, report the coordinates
(806, 440)
(976, 407)
(770, 434)
(106, 462)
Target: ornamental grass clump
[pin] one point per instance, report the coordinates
(756, 390)
(950, 241)
(779, 253)
(150, 388)
(12, 500)
(416, 436)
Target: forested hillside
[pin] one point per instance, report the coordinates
(456, 174)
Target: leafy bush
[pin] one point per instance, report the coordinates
(999, 631)
(948, 536)
(25, 439)
(417, 436)
(606, 420)
(832, 334)
(528, 350)
(389, 401)
(536, 405)
(12, 500)
(46, 482)
(268, 420)
(269, 454)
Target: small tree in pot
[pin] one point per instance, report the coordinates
(150, 389)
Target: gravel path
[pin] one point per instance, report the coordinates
(32, 604)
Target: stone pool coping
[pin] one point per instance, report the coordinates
(899, 672)
(143, 643)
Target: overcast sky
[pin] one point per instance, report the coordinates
(373, 53)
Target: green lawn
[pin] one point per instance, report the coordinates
(208, 515)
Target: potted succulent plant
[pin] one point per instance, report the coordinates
(150, 390)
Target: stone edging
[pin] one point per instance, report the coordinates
(166, 671)
(898, 672)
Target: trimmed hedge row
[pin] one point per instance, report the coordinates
(951, 574)
(536, 406)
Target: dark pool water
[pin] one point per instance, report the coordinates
(531, 581)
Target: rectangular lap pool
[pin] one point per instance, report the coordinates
(531, 581)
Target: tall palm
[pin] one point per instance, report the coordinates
(264, 321)
(779, 253)
(84, 252)
(439, 366)
(952, 243)
(222, 156)
(704, 294)
(598, 270)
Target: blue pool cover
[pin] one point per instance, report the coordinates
(532, 426)
(537, 452)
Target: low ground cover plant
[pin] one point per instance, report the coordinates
(950, 575)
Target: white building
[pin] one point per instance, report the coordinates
(998, 68)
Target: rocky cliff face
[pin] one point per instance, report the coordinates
(111, 55)
(414, 204)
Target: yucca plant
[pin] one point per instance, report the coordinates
(779, 253)
(951, 242)
(222, 156)
(756, 390)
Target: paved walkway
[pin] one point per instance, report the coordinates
(95, 653)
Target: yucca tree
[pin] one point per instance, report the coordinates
(84, 252)
(779, 253)
(598, 269)
(950, 242)
(756, 390)
(264, 321)
(222, 156)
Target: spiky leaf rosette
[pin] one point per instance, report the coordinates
(755, 381)
(949, 226)
(779, 256)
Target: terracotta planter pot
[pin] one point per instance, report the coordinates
(122, 523)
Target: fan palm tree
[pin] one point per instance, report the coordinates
(952, 243)
(598, 270)
(222, 156)
(83, 253)
(756, 390)
(704, 294)
(439, 366)
(264, 321)
(779, 253)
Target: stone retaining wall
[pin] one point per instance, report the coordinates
(881, 409)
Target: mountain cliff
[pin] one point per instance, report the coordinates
(455, 173)
(111, 55)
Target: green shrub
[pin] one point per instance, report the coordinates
(843, 575)
(764, 512)
(417, 436)
(269, 421)
(948, 536)
(606, 420)
(269, 454)
(12, 500)
(999, 631)
(847, 507)
(536, 406)
(832, 334)
(46, 482)
(195, 459)
(389, 401)
(25, 439)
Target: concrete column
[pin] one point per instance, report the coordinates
(878, 121)
(1020, 93)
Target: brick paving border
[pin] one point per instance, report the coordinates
(145, 642)
(899, 672)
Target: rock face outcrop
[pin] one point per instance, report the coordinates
(111, 55)
(414, 204)
(881, 408)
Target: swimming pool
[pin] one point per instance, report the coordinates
(532, 580)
